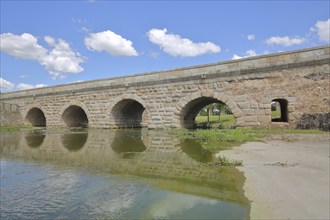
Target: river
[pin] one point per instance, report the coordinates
(114, 174)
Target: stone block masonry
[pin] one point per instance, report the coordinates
(297, 80)
(9, 114)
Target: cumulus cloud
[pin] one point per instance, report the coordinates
(6, 85)
(23, 46)
(111, 43)
(60, 60)
(153, 54)
(175, 45)
(50, 41)
(323, 30)
(24, 86)
(249, 53)
(285, 41)
(251, 37)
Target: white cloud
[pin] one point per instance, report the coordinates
(6, 85)
(175, 45)
(50, 41)
(23, 46)
(323, 30)
(111, 43)
(85, 29)
(24, 86)
(251, 37)
(153, 54)
(285, 41)
(40, 85)
(9, 86)
(249, 53)
(58, 61)
(61, 59)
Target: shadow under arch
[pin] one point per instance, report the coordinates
(75, 116)
(188, 107)
(128, 142)
(36, 117)
(130, 113)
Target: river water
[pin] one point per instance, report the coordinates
(114, 174)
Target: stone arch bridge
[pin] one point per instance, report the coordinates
(297, 80)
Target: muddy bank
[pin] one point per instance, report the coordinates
(287, 176)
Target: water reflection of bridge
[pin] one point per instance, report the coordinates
(157, 157)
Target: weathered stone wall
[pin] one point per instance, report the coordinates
(9, 114)
(171, 98)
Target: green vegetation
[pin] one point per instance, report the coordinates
(215, 115)
(225, 161)
(216, 139)
(226, 121)
(14, 128)
(219, 139)
(276, 114)
(271, 131)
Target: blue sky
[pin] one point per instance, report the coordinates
(45, 43)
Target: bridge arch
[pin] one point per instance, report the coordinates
(129, 110)
(35, 117)
(75, 115)
(189, 106)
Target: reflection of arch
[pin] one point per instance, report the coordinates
(189, 106)
(128, 142)
(75, 116)
(195, 150)
(36, 117)
(128, 110)
(35, 138)
(74, 141)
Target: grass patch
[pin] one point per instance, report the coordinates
(226, 121)
(271, 131)
(216, 140)
(276, 114)
(14, 128)
(223, 161)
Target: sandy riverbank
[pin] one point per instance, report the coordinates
(287, 177)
